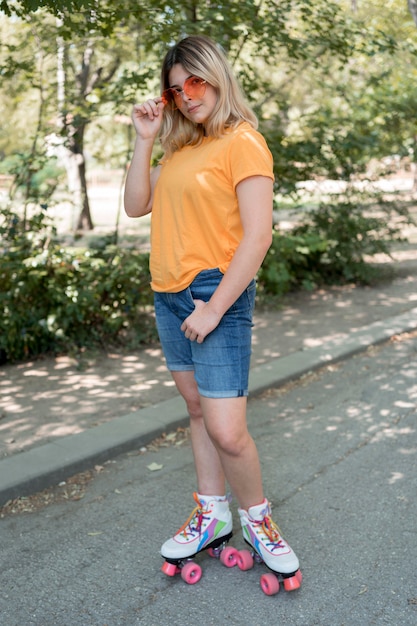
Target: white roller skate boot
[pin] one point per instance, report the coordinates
(264, 536)
(209, 526)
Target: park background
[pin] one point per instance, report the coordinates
(333, 84)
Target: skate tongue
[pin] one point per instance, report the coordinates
(202, 499)
(260, 511)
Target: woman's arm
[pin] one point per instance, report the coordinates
(255, 196)
(140, 180)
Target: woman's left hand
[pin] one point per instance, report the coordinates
(201, 322)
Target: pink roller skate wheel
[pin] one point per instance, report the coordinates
(293, 583)
(229, 556)
(269, 584)
(244, 560)
(191, 573)
(169, 569)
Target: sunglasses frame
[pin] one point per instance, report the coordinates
(171, 94)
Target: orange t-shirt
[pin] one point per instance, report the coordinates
(195, 223)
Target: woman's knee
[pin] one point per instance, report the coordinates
(226, 424)
(187, 387)
(230, 441)
(194, 408)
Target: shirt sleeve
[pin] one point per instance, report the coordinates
(249, 155)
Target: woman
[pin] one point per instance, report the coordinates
(211, 202)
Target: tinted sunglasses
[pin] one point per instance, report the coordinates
(193, 87)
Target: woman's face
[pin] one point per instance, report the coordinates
(196, 109)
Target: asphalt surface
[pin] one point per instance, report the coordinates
(338, 450)
(375, 314)
(338, 446)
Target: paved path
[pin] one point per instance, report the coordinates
(338, 451)
(77, 418)
(48, 399)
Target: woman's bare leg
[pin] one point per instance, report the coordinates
(221, 444)
(210, 475)
(225, 420)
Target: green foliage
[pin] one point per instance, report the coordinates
(35, 175)
(333, 245)
(334, 90)
(54, 299)
(355, 230)
(292, 262)
(304, 66)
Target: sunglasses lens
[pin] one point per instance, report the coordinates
(166, 96)
(195, 87)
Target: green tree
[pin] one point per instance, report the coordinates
(315, 72)
(333, 84)
(109, 53)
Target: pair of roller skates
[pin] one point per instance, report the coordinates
(209, 527)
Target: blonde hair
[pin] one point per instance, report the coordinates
(200, 56)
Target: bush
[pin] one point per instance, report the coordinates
(355, 231)
(333, 245)
(59, 300)
(292, 262)
(56, 299)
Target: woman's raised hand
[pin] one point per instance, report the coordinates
(147, 117)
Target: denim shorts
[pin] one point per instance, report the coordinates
(221, 363)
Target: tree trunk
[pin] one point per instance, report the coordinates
(412, 6)
(84, 221)
(414, 164)
(72, 153)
